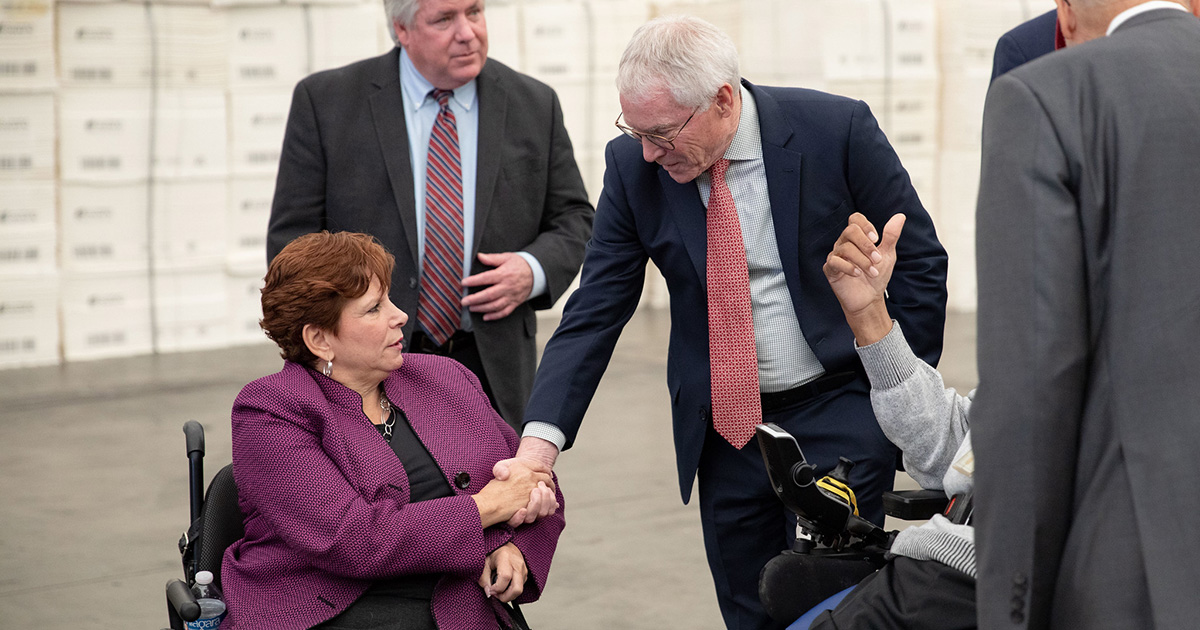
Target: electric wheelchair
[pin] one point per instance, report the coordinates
(835, 548)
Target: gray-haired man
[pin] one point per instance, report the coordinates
(737, 193)
(480, 240)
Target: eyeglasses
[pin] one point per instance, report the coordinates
(661, 142)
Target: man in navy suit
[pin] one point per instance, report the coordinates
(1026, 42)
(799, 163)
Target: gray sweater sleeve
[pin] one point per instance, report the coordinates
(916, 411)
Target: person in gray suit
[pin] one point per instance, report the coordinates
(355, 158)
(1086, 420)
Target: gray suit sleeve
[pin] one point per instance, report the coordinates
(566, 218)
(1033, 352)
(298, 207)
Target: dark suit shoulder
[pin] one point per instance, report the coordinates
(1024, 42)
(1034, 38)
(382, 69)
(1134, 49)
(820, 114)
(807, 97)
(513, 80)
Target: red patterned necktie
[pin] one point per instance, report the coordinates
(736, 402)
(440, 305)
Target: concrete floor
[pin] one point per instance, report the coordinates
(93, 479)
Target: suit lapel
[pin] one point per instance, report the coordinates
(782, 167)
(691, 217)
(493, 110)
(388, 113)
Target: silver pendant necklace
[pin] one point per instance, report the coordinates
(389, 419)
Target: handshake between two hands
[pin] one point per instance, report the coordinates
(542, 501)
(522, 490)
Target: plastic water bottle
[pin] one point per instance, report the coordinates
(212, 605)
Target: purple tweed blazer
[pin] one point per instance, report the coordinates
(326, 500)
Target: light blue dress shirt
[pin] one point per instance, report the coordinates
(421, 111)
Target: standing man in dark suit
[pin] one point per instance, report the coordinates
(1027, 41)
(462, 168)
(756, 333)
(1085, 422)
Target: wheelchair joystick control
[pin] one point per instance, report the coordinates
(842, 471)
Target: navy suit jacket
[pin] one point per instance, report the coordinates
(825, 158)
(1025, 42)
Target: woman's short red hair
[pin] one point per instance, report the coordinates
(312, 279)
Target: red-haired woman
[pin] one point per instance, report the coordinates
(365, 474)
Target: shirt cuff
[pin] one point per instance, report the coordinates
(888, 361)
(539, 275)
(545, 431)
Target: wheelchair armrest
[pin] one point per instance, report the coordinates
(791, 583)
(181, 602)
(914, 505)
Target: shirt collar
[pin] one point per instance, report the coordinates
(1124, 16)
(747, 142)
(417, 87)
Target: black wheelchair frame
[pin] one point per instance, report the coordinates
(835, 548)
(216, 522)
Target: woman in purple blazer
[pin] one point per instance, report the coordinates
(365, 475)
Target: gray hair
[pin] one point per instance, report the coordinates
(682, 54)
(402, 11)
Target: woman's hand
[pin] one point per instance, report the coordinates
(504, 573)
(542, 501)
(500, 499)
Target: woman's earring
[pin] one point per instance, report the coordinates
(328, 369)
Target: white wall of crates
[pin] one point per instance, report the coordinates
(139, 141)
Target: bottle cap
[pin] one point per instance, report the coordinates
(204, 577)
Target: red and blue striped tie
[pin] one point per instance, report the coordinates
(440, 305)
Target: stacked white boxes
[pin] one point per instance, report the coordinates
(910, 112)
(104, 125)
(143, 175)
(246, 262)
(26, 45)
(29, 328)
(341, 34)
(268, 54)
(968, 34)
(29, 325)
(504, 32)
(136, 180)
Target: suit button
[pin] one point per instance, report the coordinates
(1020, 580)
(1017, 616)
(412, 282)
(462, 480)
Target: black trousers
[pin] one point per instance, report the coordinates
(907, 594)
(744, 523)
